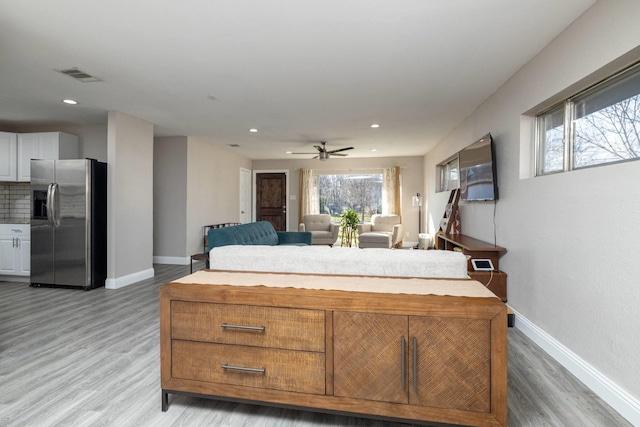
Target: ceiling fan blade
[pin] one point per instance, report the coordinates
(338, 154)
(303, 153)
(340, 149)
(320, 149)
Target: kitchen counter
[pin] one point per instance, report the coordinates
(15, 221)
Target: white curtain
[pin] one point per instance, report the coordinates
(308, 203)
(391, 194)
(391, 191)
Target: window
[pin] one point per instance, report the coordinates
(551, 133)
(449, 176)
(362, 193)
(598, 126)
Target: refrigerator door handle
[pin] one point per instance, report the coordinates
(49, 205)
(55, 196)
(52, 205)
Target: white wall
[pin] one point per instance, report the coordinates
(411, 171)
(572, 237)
(196, 183)
(213, 189)
(130, 200)
(170, 199)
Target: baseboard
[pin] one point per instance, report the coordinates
(616, 397)
(174, 260)
(19, 279)
(121, 282)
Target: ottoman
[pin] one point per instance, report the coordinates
(375, 239)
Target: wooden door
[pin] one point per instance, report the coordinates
(271, 199)
(453, 360)
(369, 362)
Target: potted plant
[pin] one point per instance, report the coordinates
(349, 220)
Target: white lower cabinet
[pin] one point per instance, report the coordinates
(15, 249)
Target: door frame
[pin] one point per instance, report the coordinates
(249, 208)
(254, 191)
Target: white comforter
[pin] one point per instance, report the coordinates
(338, 260)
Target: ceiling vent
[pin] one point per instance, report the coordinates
(233, 145)
(79, 75)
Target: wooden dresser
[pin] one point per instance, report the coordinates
(420, 350)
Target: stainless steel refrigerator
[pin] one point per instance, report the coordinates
(68, 223)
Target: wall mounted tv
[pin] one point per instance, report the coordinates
(478, 178)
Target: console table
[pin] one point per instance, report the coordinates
(421, 350)
(477, 249)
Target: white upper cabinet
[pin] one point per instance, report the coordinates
(44, 145)
(8, 164)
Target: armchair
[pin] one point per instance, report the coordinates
(384, 231)
(323, 231)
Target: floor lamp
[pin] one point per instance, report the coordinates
(417, 201)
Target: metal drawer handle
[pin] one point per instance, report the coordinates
(243, 368)
(249, 328)
(415, 363)
(402, 362)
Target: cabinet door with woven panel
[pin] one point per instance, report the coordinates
(450, 363)
(369, 361)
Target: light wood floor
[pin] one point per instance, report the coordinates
(76, 358)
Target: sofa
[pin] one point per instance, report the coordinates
(256, 233)
(384, 231)
(323, 231)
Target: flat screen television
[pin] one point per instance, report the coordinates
(478, 178)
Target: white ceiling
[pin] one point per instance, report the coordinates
(300, 71)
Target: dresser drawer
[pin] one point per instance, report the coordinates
(298, 371)
(285, 328)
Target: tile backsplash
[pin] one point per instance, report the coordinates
(15, 201)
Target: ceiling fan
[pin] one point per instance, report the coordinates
(324, 154)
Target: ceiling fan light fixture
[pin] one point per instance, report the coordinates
(324, 154)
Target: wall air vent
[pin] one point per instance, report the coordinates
(79, 75)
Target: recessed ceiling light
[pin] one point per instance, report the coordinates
(254, 130)
(288, 152)
(375, 125)
(69, 101)
(373, 149)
